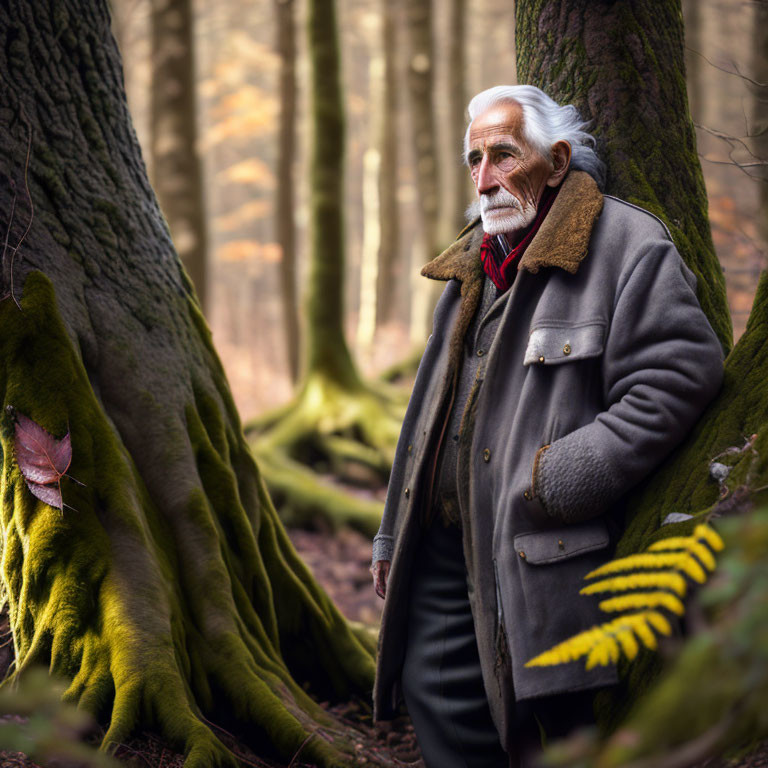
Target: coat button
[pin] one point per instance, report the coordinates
(541, 359)
(567, 349)
(527, 495)
(522, 554)
(560, 544)
(407, 492)
(410, 448)
(480, 352)
(487, 454)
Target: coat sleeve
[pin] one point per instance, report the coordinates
(662, 365)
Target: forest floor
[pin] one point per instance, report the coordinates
(340, 563)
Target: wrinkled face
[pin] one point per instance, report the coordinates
(509, 174)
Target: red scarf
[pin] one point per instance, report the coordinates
(491, 250)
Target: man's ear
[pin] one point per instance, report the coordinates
(561, 161)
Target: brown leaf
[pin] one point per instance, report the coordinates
(42, 458)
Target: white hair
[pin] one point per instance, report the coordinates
(545, 122)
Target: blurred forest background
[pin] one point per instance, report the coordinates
(237, 62)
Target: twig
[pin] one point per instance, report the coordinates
(298, 752)
(737, 73)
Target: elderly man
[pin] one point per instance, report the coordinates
(569, 355)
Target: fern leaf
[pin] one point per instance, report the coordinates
(636, 600)
(710, 535)
(705, 556)
(637, 562)
(658, 580)
(569, 650)
(672, 542)
(628, 642)
(659, 622)
(690, 567)
(643, 631)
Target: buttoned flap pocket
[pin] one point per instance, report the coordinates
(555, 544)
(550, 344)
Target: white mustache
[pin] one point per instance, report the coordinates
(499, 199)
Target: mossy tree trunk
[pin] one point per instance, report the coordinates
(285, 228)
(176, 166)
(337, 423)
(167, 591)
(621, 64)
(390, 260)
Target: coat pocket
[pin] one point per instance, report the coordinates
(555, 544)
(552, 344)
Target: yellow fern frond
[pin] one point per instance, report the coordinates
(710, 535)
(628, 642)
(569, 650)
(644, 632)
(636, 600)
(659, 622)
(658, 580)
(637, 562)
(672, 542)
(605, 652)
(690, 567)
(604, 644)
(703, 553)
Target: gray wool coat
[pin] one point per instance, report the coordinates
(603, 353)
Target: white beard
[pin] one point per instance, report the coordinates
(502, 213)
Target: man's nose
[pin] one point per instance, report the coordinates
(485, 181)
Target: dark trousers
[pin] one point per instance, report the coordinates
(441, 679)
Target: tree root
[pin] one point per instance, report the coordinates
(172, 595)
(348, 433)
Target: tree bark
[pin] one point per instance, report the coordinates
(328, 353)
(759, 129)
(390, 260)
(693, 58)
(621, 65)
(457, 101)
(167, 591)
(285, 202)
(176, 166)
(421, 79)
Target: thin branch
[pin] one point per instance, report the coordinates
(737, 73)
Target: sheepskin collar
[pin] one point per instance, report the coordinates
(562, 240)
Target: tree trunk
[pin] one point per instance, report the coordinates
(621, 65)
(337, 423)
(759, 128)
(421, 78)
(166, 591)
(390, 260)
(457, 123)
(694, 48)
(328, 353)
(176, 164)
(285, 202)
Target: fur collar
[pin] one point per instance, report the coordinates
(562, 241)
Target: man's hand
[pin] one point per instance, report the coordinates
(380, 571)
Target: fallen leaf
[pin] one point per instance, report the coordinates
(42, 458)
